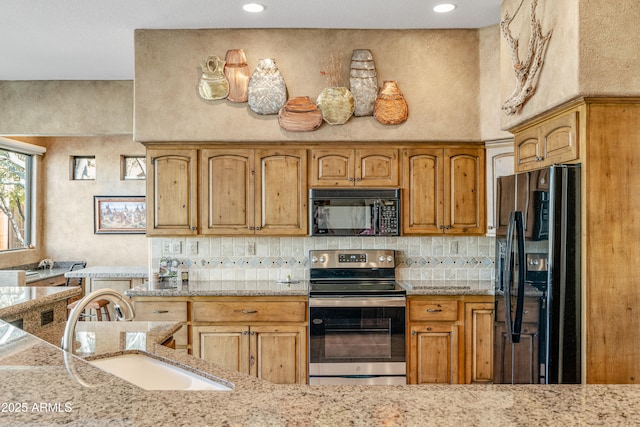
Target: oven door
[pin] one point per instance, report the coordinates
(358, 339)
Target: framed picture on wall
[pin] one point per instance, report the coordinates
(119, 214)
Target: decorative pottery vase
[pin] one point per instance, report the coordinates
(267, 90)
(363, 82)
(237, 72)
(213, 84)
(299, 114)
(390, 108)
(336, 104)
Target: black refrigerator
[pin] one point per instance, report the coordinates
(537, 329)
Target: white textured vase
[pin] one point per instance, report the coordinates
(363, 82)
(267, 90)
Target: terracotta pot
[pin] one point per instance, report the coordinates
(336, 104)
(390, 108)
(363, 81)
(299, 114)
(213, 84)
(267, 91)
(237, 72)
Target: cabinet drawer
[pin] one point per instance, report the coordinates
(250, 311)
(51, 281)
(433, 310)
(161, 311)
(530, 314)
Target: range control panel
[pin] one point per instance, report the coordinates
(352, 258)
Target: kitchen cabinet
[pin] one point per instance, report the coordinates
(526, 369)
(50, 281)
(266, 338)
(165, 311)
(552, 141)
(450, 339)
(254, 191)
(363, 167)
(444, 191)
(172, 192)
(433, 342)
(499, 160)
(478, 336)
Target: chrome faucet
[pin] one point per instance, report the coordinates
(114, 296)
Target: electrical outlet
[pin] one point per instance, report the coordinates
(251, 248)
(453, 248)
(193, 248)
(176, 248)
(166, 248)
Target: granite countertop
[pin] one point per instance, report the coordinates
(129, 272)
(38, 387)
(296, 288)
(46, 273)
(18, 299)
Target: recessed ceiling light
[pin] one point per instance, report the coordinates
(444, 7)
(253, 7)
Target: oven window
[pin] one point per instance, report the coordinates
(357, 339)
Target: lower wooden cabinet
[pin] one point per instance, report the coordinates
(165, 311)
(273, 353)
(450, 339)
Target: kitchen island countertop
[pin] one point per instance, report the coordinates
(37, 388)
(128, 272)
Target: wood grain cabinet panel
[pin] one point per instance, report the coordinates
(478, 331)
(444, 191)
(172, 192)
(374, 167)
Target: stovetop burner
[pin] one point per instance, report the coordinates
(353, 272)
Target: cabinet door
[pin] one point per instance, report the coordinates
(528, 149)
(433, 353)
(500, 161)
(560, 138)
(165, 311)
(464, 197)
(332, 167)
(172, 192)
(377, 167)
(526, 367)
(227, 205)
(478, 331)
(281, 192)
(226, 346)
(278, 354)
(422, 191)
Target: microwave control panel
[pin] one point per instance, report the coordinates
(388, 218)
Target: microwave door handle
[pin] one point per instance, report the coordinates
(376, 218)
(517, 327)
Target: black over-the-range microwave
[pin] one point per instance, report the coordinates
(354, 211)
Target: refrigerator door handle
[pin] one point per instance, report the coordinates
(506, 275)
(517, 325)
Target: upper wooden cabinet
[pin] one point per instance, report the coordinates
(365, 167)
(553, 141)
(500, 161)
(172, 192)
(443, 191)
(247, 191)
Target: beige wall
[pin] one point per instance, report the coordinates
(66, 107)
(68, 205)
(437, 70)
(593, 51)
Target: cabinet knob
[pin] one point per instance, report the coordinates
(358, 179)
(250, 227)
(193, 228)
(245, 333)
(448, 227)
(350, 179)
(257, 228)
(441, 227)
(414, 333)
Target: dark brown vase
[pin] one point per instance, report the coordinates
(299, 114)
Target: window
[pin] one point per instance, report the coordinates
(16, 194)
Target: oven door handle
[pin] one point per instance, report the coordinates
(347, 301)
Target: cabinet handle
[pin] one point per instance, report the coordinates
(160, 311)
(252, 361)
(448, 227)
(257, 228)
(358, 179)
(249, 311)
(441, 227)
(350, 179)
(414, 333)
(245, 333)
(434, 310)
(250, 227)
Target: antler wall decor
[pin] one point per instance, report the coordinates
(526, 72)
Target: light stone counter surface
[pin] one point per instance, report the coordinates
(38, 388)
(19, 299)
(99, 272)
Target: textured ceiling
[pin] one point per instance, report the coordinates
(93, 40)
